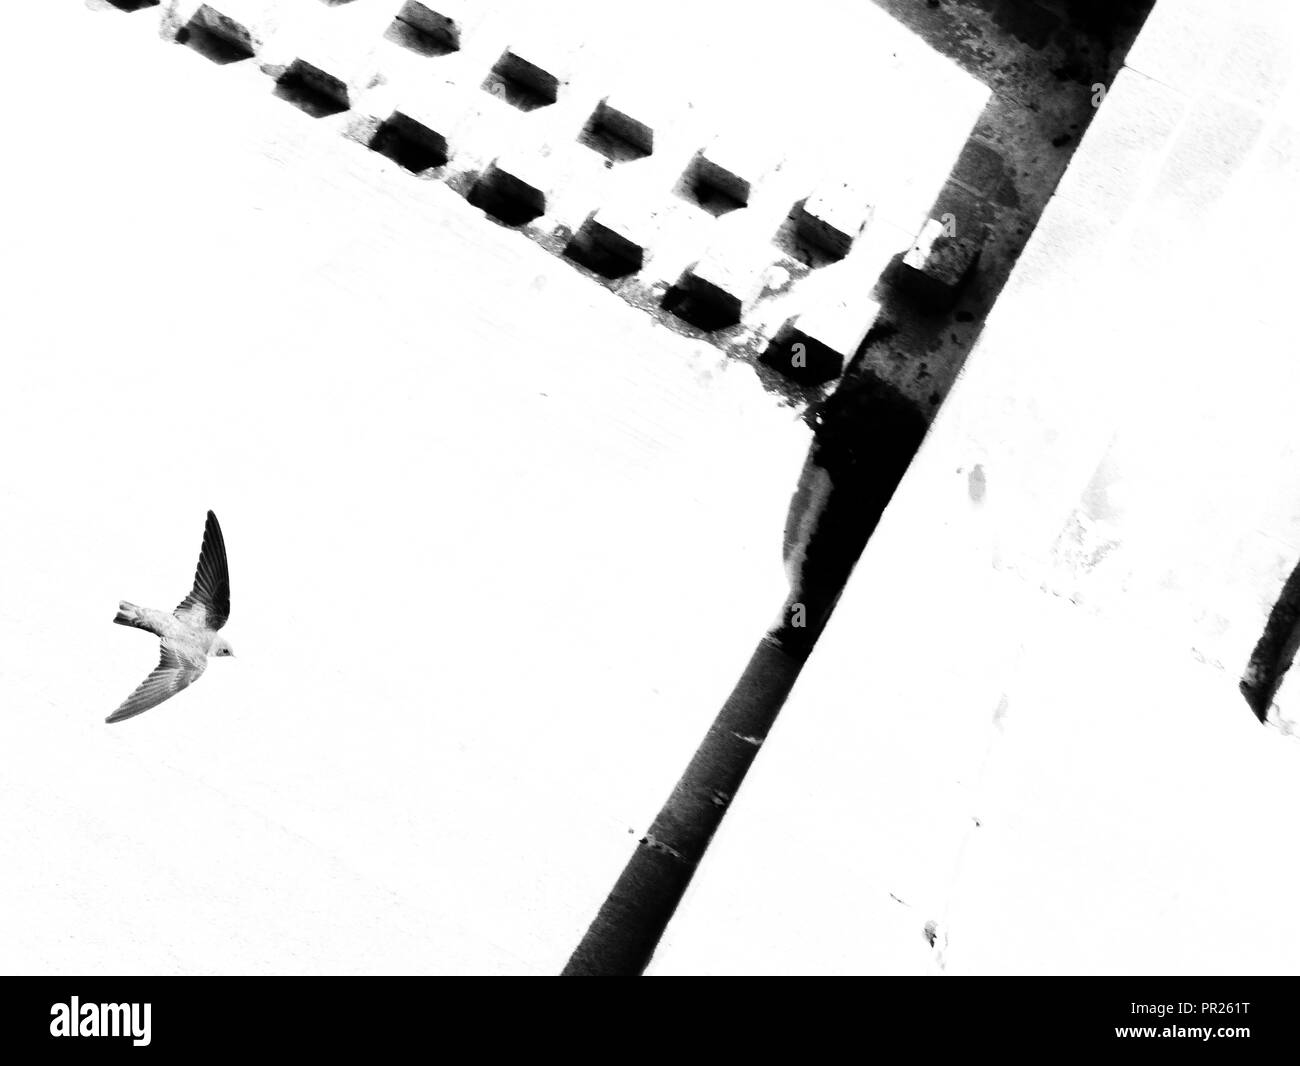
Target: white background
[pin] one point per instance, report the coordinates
(499, 545)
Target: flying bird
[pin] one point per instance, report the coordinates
(189, 633)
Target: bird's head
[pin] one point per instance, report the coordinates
(221, 647)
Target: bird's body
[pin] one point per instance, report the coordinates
(189, 633)
(163, 624)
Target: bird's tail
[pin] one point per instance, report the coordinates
(128, 614)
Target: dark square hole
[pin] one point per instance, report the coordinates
(695, 187)
(603, 253)
(615, 140)
(409, 144)
(312, 90)
(424, 30)
(521, 84)
(811, 364)
(218, 47)
(506, 199)
(699, 310)
(800, 246)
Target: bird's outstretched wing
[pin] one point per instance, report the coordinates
(208, 604)
(175, 670)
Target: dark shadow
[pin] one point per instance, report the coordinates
(423, 30)
(617, 139)
(312, 90)
(409, 37)
(800, 246)
(695, 188)
(699, 307)
(865, 435)
(133, 5)
(513, 93)
(1276, 650)
(506, 199)
(603, 253)
(813, 363)
(874, 432)
(409, 144)
(520, 84)
(1088, 31)
(212, 46)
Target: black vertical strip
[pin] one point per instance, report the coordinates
(865, 436)
(1276, 649)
